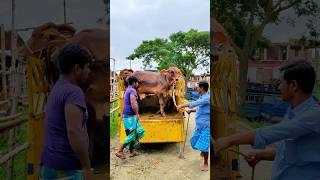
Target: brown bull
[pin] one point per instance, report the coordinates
(45, 43)
(155, 83)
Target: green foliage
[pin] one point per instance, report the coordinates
(186, 50)
(245, 21)
(243, 17)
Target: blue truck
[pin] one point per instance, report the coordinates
(263, 103)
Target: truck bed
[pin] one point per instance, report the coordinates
(159, 129)
(158, 117)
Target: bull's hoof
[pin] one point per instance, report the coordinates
(163, 114)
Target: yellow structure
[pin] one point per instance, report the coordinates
(38, 92)
(159, 129)
(224, 98)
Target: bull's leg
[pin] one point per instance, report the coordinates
(162, 104)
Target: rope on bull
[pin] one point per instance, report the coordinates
(173, 94)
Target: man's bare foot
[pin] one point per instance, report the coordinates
(120, 155)
(205, 167)
(133, 154)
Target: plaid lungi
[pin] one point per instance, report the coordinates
(47, 173)
(201, 139)
(134, 130)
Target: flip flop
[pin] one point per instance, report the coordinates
(120, 156)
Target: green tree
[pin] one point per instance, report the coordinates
(186, 50)
(245, 21)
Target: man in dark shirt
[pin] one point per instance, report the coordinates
(65, 150)
(130, 118)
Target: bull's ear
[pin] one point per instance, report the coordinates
(163, 71)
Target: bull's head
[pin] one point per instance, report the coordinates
(177, 72)
(97, 84)
(170, 75)
(43, 35)
(125, 73)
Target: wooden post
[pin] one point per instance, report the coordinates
(64, 12)
(13, 108)
(3, 63)
(13, 35)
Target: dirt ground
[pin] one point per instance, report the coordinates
(100, 172)
(159, 161)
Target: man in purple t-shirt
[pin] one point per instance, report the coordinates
(65, 151)
(130, 119)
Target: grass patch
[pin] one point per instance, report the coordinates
(20, 159)
(252, 124)
(114, 127)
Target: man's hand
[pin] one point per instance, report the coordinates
(87, 174)
(222, 144)
(179, 107)
(252, 158)
(182, 106)
(137, 117)
(190, 110)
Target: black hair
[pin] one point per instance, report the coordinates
(204, 85)
(70, 55)
(302, 72)
(131, 80)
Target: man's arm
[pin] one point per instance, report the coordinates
(183, 105)
(262, 137)
(241, 138)
(74, 117)
(134, 105)
(196, 103)
(268, 154)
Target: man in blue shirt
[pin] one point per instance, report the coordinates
(297, 155)
(201, 136)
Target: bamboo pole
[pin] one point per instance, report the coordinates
(12, 153)
(64, 12)
(4, 126)
(12, 139)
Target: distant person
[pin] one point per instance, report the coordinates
(201, 136)
(130, 119)
(297, 155)
(65, 153)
